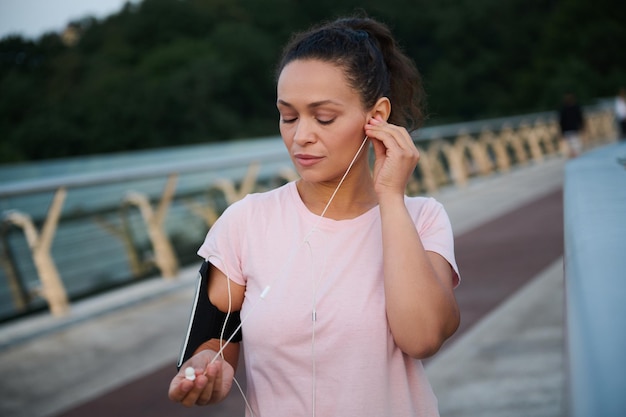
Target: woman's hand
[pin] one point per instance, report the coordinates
(212, 384)
(396, 156)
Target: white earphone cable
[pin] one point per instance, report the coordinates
(267, 289)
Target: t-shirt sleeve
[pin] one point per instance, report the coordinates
(435, 230)
(224, 241)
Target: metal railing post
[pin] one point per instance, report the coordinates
(137, 266)
(164, 255)
(52, 288)
(18, 294)
(208, 212)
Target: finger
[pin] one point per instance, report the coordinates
(179, 388)
(383, 123)
(217, 386)
(382, 141)
(399, 133)
(193, 396)
(401, 143)
(391, 135)
(401, 136)
(395, 146)
(379, 149)
(187, 392)
(212, 372)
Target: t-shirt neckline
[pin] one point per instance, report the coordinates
(367, 216)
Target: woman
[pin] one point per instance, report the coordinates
(343, 283)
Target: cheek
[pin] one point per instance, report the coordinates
(355, 131)
(351, 140)
(285, 133)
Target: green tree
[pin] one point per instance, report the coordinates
(172, 72)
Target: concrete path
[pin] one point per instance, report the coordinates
(115, 354)
(510, 364)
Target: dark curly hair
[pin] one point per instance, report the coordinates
(372, 61)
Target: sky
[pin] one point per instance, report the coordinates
(32, 18)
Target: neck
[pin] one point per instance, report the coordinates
(355, 195)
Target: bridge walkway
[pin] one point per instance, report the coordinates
(115, 354)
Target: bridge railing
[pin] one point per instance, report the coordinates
(66, 237)
(595, 239)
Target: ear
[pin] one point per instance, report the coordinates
(382, 108)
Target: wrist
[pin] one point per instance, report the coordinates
(391, 199)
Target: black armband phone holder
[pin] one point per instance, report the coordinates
(206, 321)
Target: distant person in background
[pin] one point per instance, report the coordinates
(620, 113)
(572, 123)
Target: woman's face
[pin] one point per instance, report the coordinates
(322, 119)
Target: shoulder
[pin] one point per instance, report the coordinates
(256, 204)
(240, 217)
(270, 197)
(422, 204)
(426, 211)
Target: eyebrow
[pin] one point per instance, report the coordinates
(311, 105)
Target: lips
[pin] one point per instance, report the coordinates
(307, 160)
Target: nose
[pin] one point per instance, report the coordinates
(304, 132)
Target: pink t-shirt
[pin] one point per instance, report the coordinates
(297, 266)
